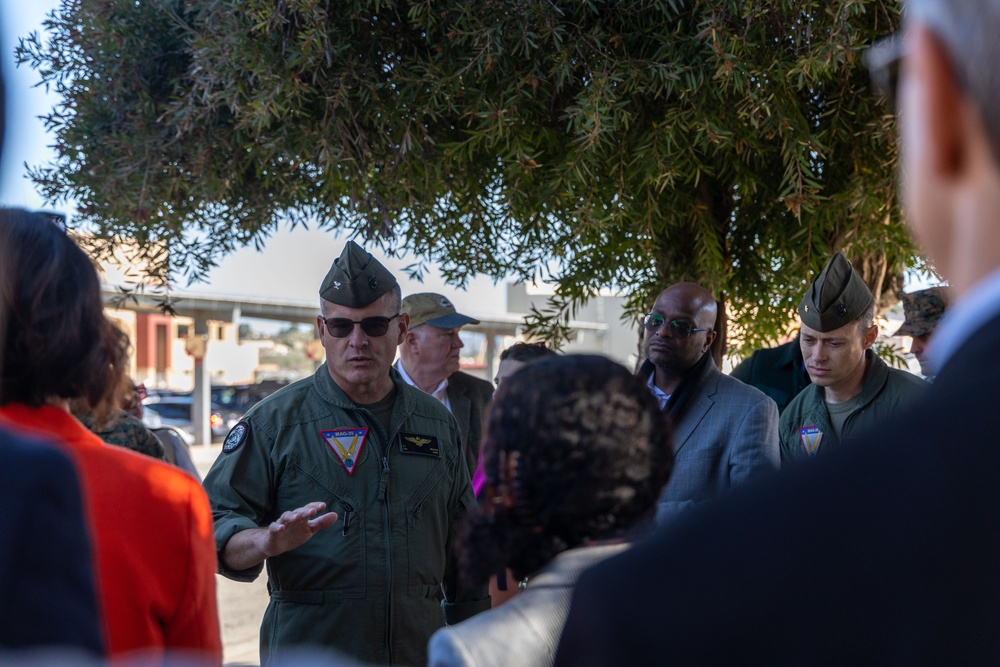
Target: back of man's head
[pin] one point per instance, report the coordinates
(969, 29)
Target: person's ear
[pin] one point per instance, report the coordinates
(709, 339)
(941, 97)
(871, 335)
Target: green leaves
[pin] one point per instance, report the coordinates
(624, 144)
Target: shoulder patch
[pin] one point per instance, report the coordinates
(237, 436)
(417, 443)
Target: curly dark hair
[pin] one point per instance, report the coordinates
(57, 342)
(576, 450)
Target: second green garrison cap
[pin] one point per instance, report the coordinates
(837, 297)
(356, 279)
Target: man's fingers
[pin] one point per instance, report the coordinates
(305, 512)
(323, 521)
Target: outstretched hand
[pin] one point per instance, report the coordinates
(296, 527)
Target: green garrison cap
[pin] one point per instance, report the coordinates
(837, 297)
(923, 309)
(356, 279)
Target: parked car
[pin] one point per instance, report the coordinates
(175, 411)
(151, 418)
(242, 397)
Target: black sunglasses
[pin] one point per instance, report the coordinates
(882, 60)
(341, 327)
(678, 329)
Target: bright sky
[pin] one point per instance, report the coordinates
(291, 266)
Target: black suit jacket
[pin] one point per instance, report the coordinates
(886, 552)
(47, 593)
(469, 397)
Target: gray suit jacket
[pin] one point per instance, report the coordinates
(727, 434)
(469, 397)
(523, 632)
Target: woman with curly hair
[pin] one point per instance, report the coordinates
(576, 453)
(150, 523)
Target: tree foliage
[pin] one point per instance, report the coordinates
(625, 144)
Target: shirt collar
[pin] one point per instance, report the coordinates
(658, 393)
(963, 318)
(440, 393)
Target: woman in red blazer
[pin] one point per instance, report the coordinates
(150, 522)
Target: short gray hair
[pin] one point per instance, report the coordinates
(969, 30)
(866, 318)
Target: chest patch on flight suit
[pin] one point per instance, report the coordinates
(346, 443)
(236, 437)
(416, 443)
(810, 436)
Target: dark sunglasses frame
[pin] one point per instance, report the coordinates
(375, 327)
(883, 60)
(678, 329)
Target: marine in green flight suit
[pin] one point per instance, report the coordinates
(852, 388)
(385, 460)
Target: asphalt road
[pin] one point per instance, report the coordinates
(241, 606)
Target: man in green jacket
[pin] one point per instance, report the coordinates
(778, 371)
(852, 388)
(385, 458)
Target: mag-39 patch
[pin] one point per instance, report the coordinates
(417, 443)
(811, 438)
(347, 444)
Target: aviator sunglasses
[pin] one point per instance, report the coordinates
(341, 327)
(678, 329)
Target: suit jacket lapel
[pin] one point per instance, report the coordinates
(701, 403)
(461, 407)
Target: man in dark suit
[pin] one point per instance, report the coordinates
(725, 432)
(886, 551)
(778, 371)
(429, 360)
(46, 571)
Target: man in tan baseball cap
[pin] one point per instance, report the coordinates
(429, 359)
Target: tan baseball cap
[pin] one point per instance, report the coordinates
(434, 309)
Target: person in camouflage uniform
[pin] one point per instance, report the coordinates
(124, 430)
(923, 310)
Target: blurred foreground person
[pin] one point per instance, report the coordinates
(150, 523)
(886, 551)
(576, 454)
(511, 359)
(46, 572)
